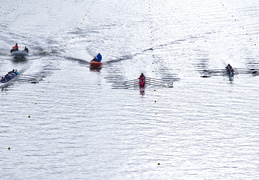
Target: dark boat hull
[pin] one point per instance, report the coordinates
(19, 53)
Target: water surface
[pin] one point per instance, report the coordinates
(60, 120)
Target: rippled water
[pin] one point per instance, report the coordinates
(61, 120)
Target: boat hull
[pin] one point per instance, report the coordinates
(19, 53)
(95, 65)
(9, 78)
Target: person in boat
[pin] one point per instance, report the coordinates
(13, 72)
(99, 57)
(142, 77)
(26, 49)
(7, 76)
(142, 81)
(15, 48)
(229, 68)
(95, 59)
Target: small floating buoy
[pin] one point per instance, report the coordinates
(9, 148)
(29, 116)
(155, 101)
(158, 163)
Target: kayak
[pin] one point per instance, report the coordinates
(9, 76)
(95, 64)
(19, 53)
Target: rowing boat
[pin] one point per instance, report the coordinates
(11, 75)
(95, 65)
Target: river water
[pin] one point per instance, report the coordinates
(61, 120)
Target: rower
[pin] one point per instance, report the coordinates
(229, 67)
(99, 57)
(15, 48)
(142, 77)
(26, 49)
(95, 59)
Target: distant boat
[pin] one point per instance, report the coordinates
(8, 77)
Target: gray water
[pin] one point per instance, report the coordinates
(60, 120)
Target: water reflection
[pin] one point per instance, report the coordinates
(95, 69)
(19, 59)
